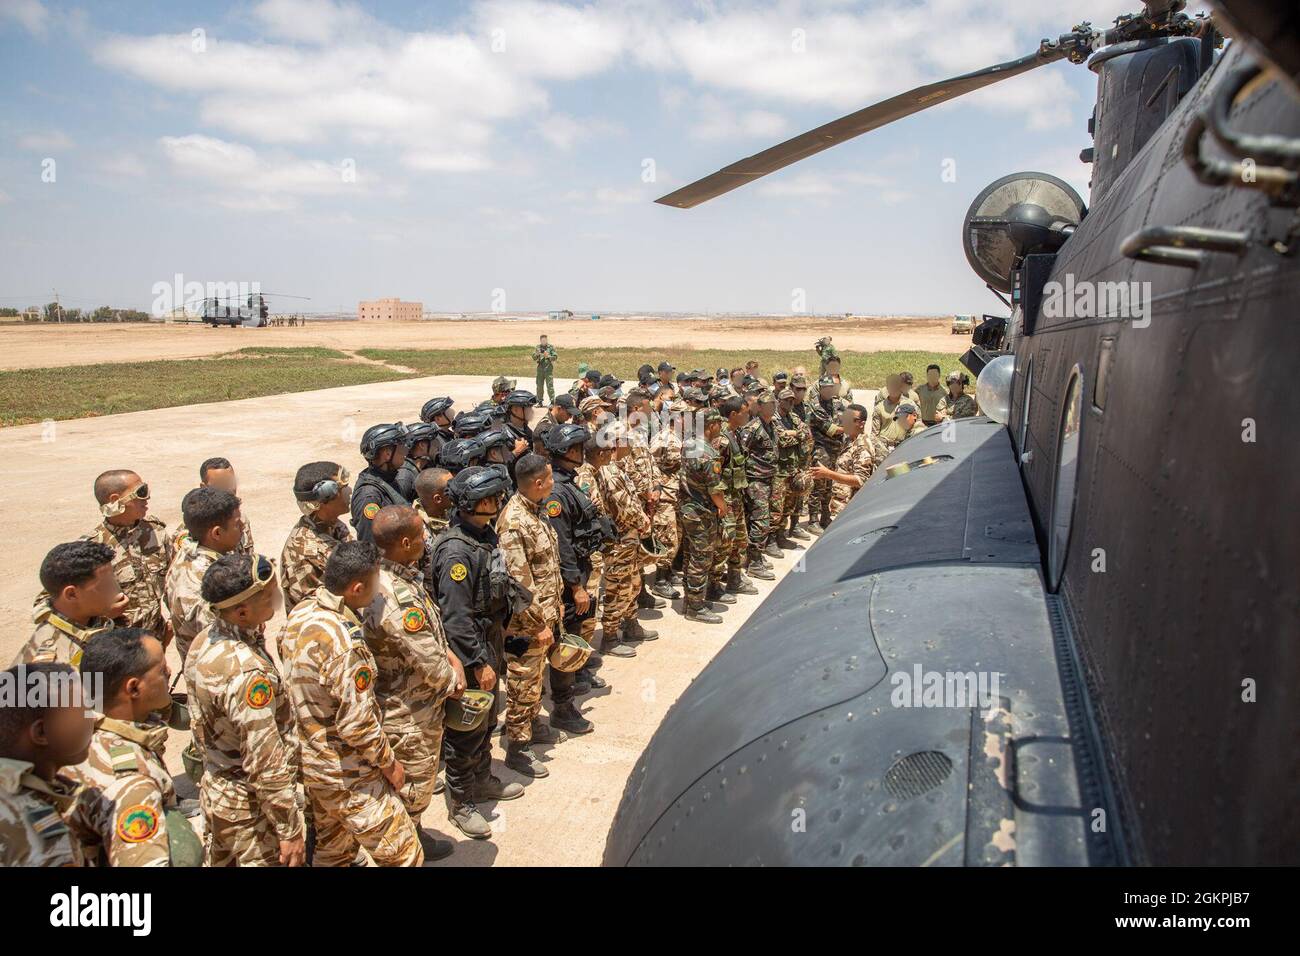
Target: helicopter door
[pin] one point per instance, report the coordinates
(1067, 473)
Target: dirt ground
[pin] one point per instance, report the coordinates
(38, 346)
(46, 475)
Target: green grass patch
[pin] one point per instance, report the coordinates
(83, 391)
(296, 351)
(863, 369)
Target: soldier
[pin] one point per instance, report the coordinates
(623, 555)
(470, 584)
(828, 442)
(214, 525)
(126, 812)
(594, 411)
(139, 547)
(594, 457)
(639, 464)
(545, 357)
(856, 462)
(758, 440)
(789, 444)
(930, 394)
(909, 388)
(501, 387)
(417, 670)
(825, 353)
(585, 385)
(531, 549)
(39, 735)
(324, 496)
(519, 414)
(665, 374)
(801, 479)
(216, 473)
(905, 424)
(242, 721)
(843, 387)
(81, 598)
(730, 558)
(438, 412)
(703, 503)
(472, 423)
(666, 521)
(383, 447)
(350, 772)
(563, 409)
(956, 403)
(887, 399)
(419, 439)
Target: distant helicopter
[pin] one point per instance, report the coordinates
(1106, 561)
(249, 311)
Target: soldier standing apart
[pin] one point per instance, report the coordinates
(828, 442)
(38, 737)
(242, 721)
(140, 555)
(856, 462)
(471, 586)
(531, 549)
(323, 494)
(215, 473)
(623, 556)
(82, 598)
(348, 767)
(384, 448)
(545, 357)
(758, 439)
(126, 812)
(212, 518)
(417, 670)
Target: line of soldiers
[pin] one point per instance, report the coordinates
(482, 555)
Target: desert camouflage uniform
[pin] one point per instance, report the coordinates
(731, 553)
(182, 534)
(182, 591)
(701, 477)
(140, 559)
(667, 451)
(585, 478)
(532, 554)
(302, 562)
(330, 677)
(963, 406)
(58, 639)
(404, 631)
(858, 458)
(435, 527)
(125, 792)
(243, 727)
(32, 830)
(828, 442)
(623, 555)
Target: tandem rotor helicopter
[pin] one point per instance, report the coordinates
(250, 311)
(1104, 558)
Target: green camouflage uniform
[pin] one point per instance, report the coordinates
(701, 477)
(545, 356)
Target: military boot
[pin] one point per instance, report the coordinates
(434, 849)
(566, 717)
(492, 788)
(581, 683)
(663, 585)
(611, 645)
(702, 614)
(761, 571)
(736, 584)
(786, 543)
(645, 599)
(521, 759)
(542, 732)
(467, 818)
(594, 680)
(798, 533)
(716, 592)
(772, 550)
(815, 527)
(633, 631)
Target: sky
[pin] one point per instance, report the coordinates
(506, 153)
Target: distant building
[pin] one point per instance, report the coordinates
(390, 310)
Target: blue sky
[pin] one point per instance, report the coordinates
(442, 151)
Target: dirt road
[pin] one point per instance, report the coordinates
(45, 495)
(40, 346)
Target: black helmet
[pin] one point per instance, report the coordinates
(469, 424)
(471, 485)
(435, 406)
(496, 438)
(379, 437)
(560, 438)
(520, 397)
(460, 453)
(420, 431)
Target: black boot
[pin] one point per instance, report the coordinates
(521, 759)
(567, 718)
(645, 599)
(542, 732)
(663, 586)
(594, 680)
(738, 585)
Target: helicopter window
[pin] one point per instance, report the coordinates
(1067, 468)
(1104, 358)
(1024, 402)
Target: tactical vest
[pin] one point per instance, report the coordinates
(497, 596)
(591, 529)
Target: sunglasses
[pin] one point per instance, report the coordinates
(140, 491)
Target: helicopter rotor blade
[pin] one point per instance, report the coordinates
(855, 124)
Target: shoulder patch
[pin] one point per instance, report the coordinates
(362, 678)
(458, 572)
(137, 824)
(413, 620)
(553, 507)
(717, 467)
(259, 693)
(370, 510)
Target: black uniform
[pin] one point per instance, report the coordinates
(377, 488)
(405, 480)
(470, 583)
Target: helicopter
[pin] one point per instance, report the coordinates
(249, 311)
(1062, 632)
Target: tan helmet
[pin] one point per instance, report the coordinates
(466, 712)
(569, 653)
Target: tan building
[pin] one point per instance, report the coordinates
(390, 310)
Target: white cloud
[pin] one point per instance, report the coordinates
(810, 185)
(242, 179)
(123, 165)
(717, 120)
(564, 132)
(50, 140)
(31, 14)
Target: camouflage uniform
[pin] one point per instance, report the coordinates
(178, 537)
(731, 554)
(858, 458)
(666, 522)
(435, 527)
(963, 406)
(243, 727)
(58, 639)
(404, 631)
(789, 442)
(801, 480)
(125, 792)
(302, 562)
(828, 442)
(182, 592)
(32, 830)
(759, 441)
(623, 555)
(140, 559)
(331, 674)
(545, 357)
(585, 479)
(701, 477)
(532, 554)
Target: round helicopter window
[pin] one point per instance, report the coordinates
(1067, 469)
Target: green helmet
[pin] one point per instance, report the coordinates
(467, 712)
(569, 653)
(192, 760)
(177, 714)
